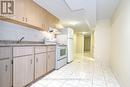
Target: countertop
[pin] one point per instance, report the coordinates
(11, 45)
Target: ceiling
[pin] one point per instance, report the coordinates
(81, 15)
(106, 8)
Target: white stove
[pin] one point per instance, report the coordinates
(61, 56)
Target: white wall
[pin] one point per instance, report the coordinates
(120, 59)
(92, 44)
(10, 31)
(80, 43)
(102, 41)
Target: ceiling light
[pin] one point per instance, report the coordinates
(83, 33)
(74, 23)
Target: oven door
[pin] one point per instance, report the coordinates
(62, 52)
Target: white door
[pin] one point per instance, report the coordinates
(40, 65)
(5, 67)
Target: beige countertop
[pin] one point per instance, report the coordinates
(10, 45)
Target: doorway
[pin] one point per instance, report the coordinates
(87, 43)
(84, 44)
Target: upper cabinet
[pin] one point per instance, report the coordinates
(30, 14)
(19, 12)
(34, 14)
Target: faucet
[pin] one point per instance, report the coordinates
(20, 40)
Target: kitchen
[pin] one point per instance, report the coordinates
(25, 60)
(42, 43)
(30, 50)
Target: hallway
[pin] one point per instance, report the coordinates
(82, 72)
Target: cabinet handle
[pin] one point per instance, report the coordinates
(6, 68)
(36, 59)
(26, 19)
(23, 19)
(31, 61)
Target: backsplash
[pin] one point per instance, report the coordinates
(10, 31)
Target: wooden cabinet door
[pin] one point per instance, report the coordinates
(24, 11)
(22, 71)
(40, 65)
(29, 12)
(5, 73)
(29, 74)
(37, 12)
(50, 61)
(20, 10)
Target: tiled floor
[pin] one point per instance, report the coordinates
(82, 72)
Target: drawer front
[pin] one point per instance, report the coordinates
(20, 51)
(51, 48)
(61, 63)
(40, 49)
(5, 52)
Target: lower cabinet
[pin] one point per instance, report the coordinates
(40, 65)
(23, 71)
(5, 73)
(50, 61)
(29, 63)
